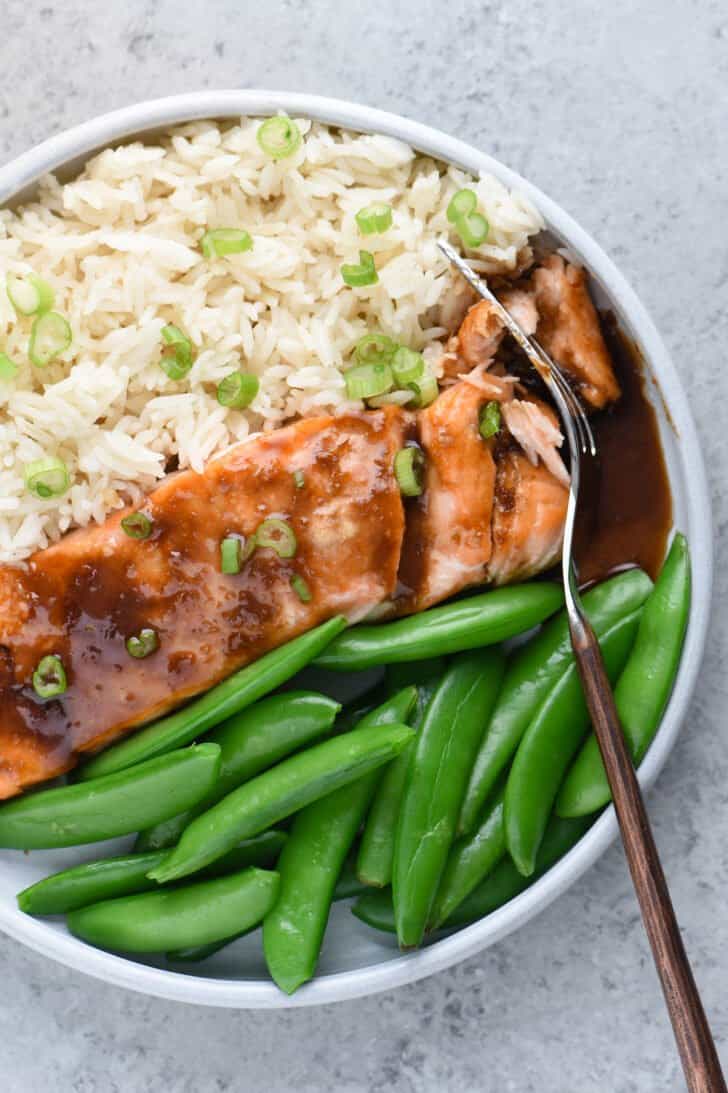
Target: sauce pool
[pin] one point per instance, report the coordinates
(625, 503)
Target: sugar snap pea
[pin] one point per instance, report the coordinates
(471, 858)
(127, 875)
(239, 690)
(376, 849)
(644, 686)
(484, 619)
(531, 673)
(280, 791)
(114, 805)
(347, 886)
(436, 780)
(178, 918)
(500, 886)
(319, 841)
(252, 741)
(548, 747)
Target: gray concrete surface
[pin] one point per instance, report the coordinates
(619, 111)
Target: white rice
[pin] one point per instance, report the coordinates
(120, 247)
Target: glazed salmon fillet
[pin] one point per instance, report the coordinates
(82, 598)
(491, 511)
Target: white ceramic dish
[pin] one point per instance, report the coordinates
(355, 962)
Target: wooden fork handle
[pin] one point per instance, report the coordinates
(699, 1057)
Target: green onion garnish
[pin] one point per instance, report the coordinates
(489, 420)
(29, 295)
(300, 587)
(137, 526)
(408, 467)
(8, 368)
(363, 274)
(279, 137)
(279, 536)
(463, 203)
(49, 678)
(179, 357)
(221, 241)
(47, 477)
(142, 644)
(407, 365)
(50, 335)
(374, 218)
(298, 480)
(425, 390)
(472, 229)
(374, 349)
(368, 380)
(237, 390)
(230, 555)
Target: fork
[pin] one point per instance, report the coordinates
(695, 1043)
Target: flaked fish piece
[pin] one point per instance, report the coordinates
(569, 330)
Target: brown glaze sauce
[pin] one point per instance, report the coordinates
(625, 502)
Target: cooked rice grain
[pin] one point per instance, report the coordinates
(120, 246)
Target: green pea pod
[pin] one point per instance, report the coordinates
(644, 686)
(178, 918)
(531, 673)
(320, 839)
(471, 859)
(250, 742)
(436, 781)
(235, 693)
(115, 805)
(280, 791)
(318, 843)
(548, 747)
(376, 850)
(503, 884)
(347, 886)
(124, 876)
(485, 619)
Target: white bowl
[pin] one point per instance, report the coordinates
(354, 961)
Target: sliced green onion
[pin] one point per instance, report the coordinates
(407, 365)
(49, 678)
(300, 587)
(374, 349)
(142, 644)
(374, 218)
(368, 380)
(363, 274)
(137, 526)
(47, 477)
(408, 466)
(50, 335)
(29, 295)
(221, 241)
(425, 390)
(489, 419)
(251, 545)
(279, 137)
(237, 390)
(230, 555)
(463, 203)
(179, 357)
(8, 368)
(279, 536)
(298, 480)
(472, 229)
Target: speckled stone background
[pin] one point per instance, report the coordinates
(619, 111)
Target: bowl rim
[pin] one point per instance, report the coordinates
(82, 141)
